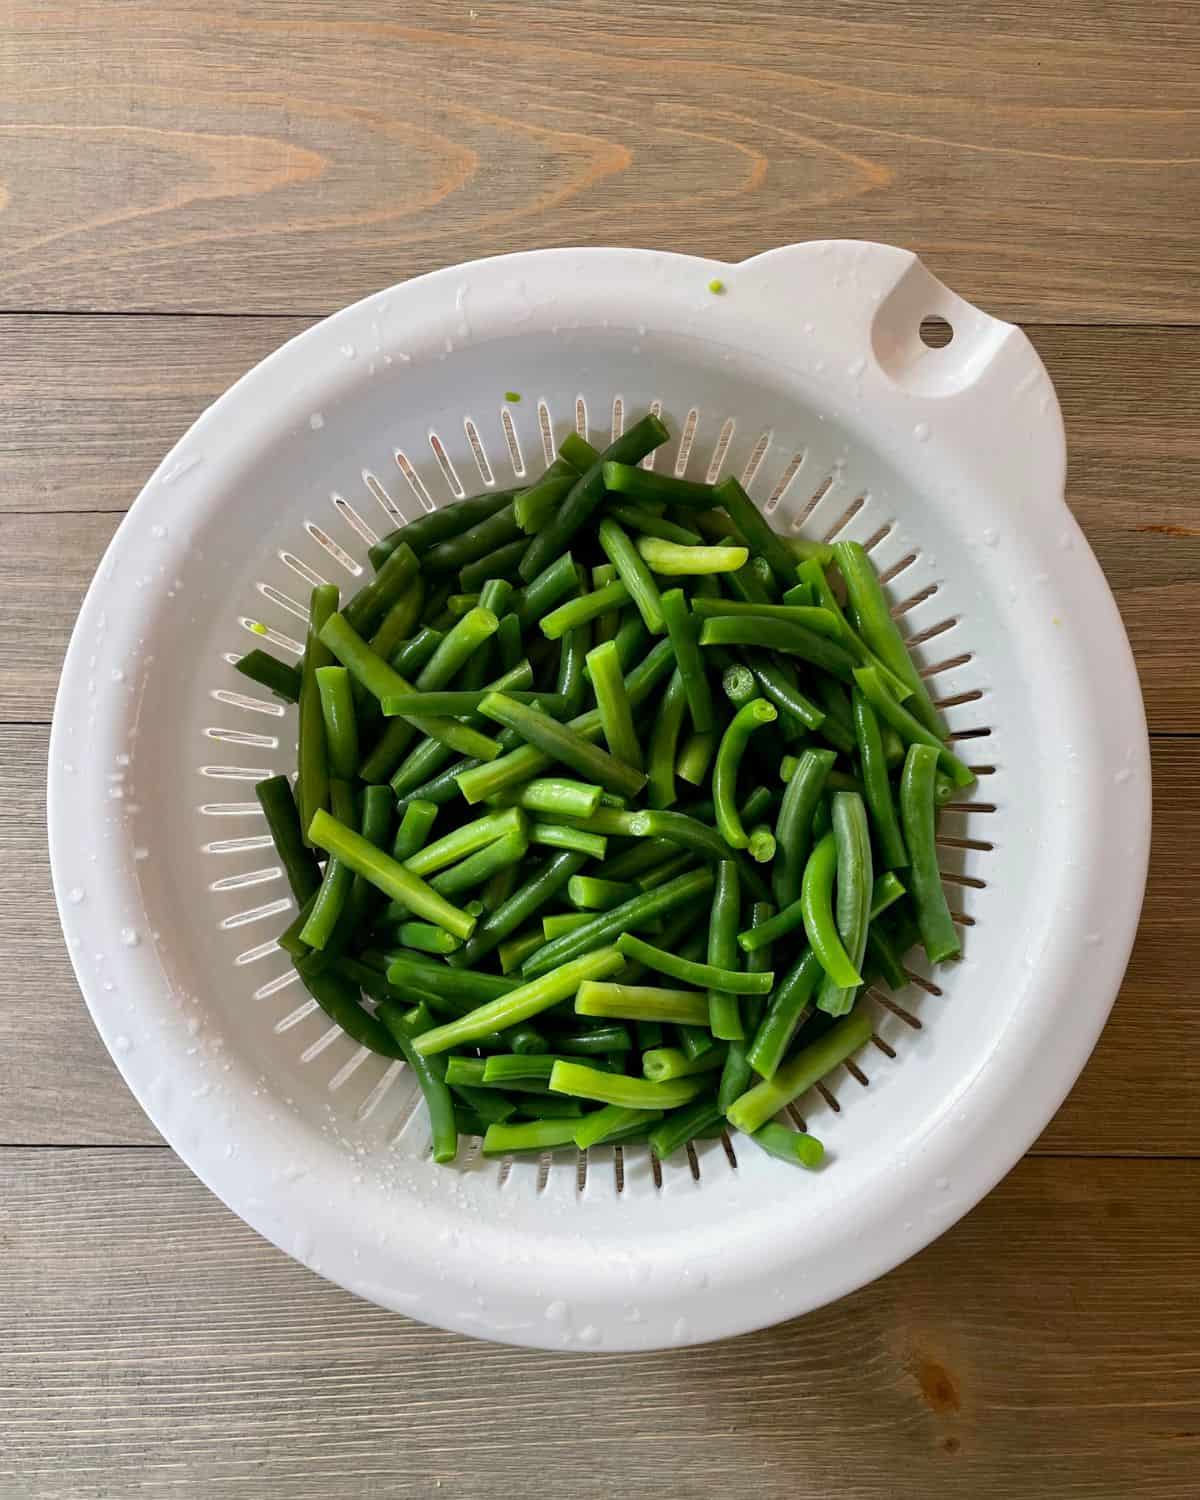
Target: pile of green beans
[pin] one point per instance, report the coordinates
(609, 801)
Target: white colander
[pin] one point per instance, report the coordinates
(808, 377)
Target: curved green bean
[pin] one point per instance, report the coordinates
(724, 1017)
(664, 740)
(816, 896)
(855, 879)
(688, 971)
(794, 824)
(918, 814)
(749, 717)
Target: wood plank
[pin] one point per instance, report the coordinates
(1136, 1096)
(1042, 159)
(151, 1343)
(125, 388)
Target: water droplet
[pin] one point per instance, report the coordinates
(75, 895)
(680, 1330)
(122, 759)
(856, 369)
(589, 1334)
(1093, 940)
(129, 937)
(68, 768)
(990, 537)
(316, 421)
(1122, 776)
(942, 1184)
(921, 432)
(348, 350)
(118, 675)
(121, 1043)
(557, 1312)
(158, 532)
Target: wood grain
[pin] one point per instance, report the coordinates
(126, 388)
(1137, 1095)
(172, 1351)
(246, 159)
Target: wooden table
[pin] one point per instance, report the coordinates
(183, 187)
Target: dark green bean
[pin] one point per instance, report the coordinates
(482, 540)
(809, 1066)
(683, 631)
(283, 823)
(638, 518)
(918, 815)
(689, 971)
(683, 1125)
(510, 648)
(368, 607)
(724, 1017)
(598, 1042)
(878, 790)
(587, 493)
(646, 486)
(410, 657)
(855, 880)
(339, 999)
(312, 780)
(400, 621)
(735, 1075)
(534, 507)
(749, 717)
(754, 526)
(564, 744)
(534, 893)
(788, 1009)
(502, 563)
(634, 574)
(779, 686)
(816, 896)
(690, 833)
(779, 635)
(684, 890)
(430, 1073)
(553, 584)
(267, 670)
(582, 610)
(910, 729)
(439, 525)
(794, 824)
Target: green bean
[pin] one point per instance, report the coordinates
(513, 951)
(592, 894)
(413, 832)
(761, 845)
(375, 824)
(400, 621)
(695, 757)
(368, 607)
(487, 1105)
(724, 1017)
(689, 833)
(816, 892)
(560, 836)
(466, 839)
(540, 888)
(423, 761)
(750, 521)
(602, 1125)
(564, 744)
(583, 1082)
(598, 1042)
(794, 824)
(502, 563)
(747, 584)
(409, 657)
(911, 730)
(458, 646)
(682, 1126)
(339, 999)
(566, 921)
(854, 886)
(779, 686)
(533, 507)
(439, 525)
(666, 871)
(738, 684)
(820, 621)
(638, 1002)
(312, 781)
(884, 958)
(683, 630)
(675, 559)
(389, 876)
(338, 877)
(549, 1107)
(878, 791)
(540, 596)
(482, 540)
(476, 868)
(426, 938)
(587, 493)
(631, 636)
(509, 645)
(341, 727)
(880, 632)
(283, 823)
(917, 812)
(450, 985)
(541, 992)
(572, 689)
(779, 635)
(663, 742)
(789, 1145)
(530, 1135)
(639, 518)
(749, 717)
(649, 1034)
(504, 1070)
(688, 971)
(789, 1008)
(607, 624)
(634, 573)
(735, 1077)
(661, 1063)
(382, 681)
(616, 715)
(270, 672)
(581, 610)
(684, 890)
(555, 796)
(644, 485)
(637, 859)
(757, 1105)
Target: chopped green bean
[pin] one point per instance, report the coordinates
(917, 811)
(641, 1002)
(270, 672)
(757, 1105)
(583, 1082)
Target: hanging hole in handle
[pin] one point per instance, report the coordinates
(936, 332)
